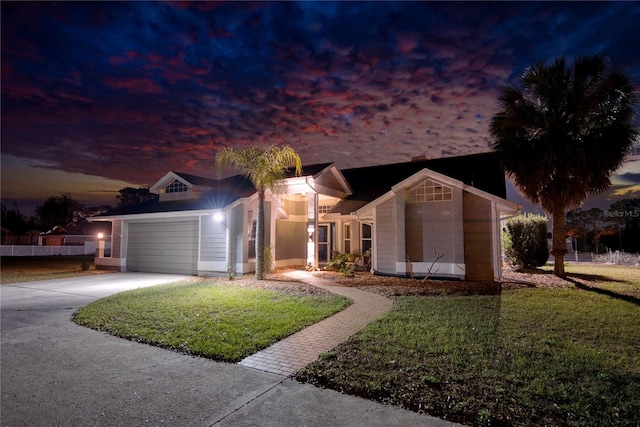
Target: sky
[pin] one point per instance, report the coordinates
(98, 96)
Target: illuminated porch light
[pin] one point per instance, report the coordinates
(100, 235)
(218, 217)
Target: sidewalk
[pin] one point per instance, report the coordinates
(294, 352)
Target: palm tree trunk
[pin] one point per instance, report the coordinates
(558, 242)
(260, 231)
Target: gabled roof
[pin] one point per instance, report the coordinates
(309, 170)
(361, 185)
(197, 180)
(482, 171)
(502, 205)
(223, 193)
(187, 179)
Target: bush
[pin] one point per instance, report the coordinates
(343, 263)
(526, 240)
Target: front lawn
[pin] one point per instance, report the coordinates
(16, 269)
(223, 322)
(527, 357)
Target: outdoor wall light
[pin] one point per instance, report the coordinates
(100, 235)
(218, 217)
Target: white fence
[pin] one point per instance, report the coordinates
(89, 248)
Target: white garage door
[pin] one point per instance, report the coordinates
(163, 247)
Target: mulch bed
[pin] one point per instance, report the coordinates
(400, 286)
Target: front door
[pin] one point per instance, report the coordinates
(325, 245)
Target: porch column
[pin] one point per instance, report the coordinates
(312, 230)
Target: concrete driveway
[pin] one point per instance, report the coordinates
(55, 373)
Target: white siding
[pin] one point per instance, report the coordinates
(386, 232)
(163, 247)
(213, 240)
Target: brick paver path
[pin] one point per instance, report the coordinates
(292, 353)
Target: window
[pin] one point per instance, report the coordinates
(347, 238)
(176, 187)
(366, 237)
(429, 191)
(323, 209)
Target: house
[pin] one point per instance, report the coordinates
(73, 234)
(406, 215)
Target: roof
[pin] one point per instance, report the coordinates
(224, 192)
(197, 180)
(82, 228)
(308, 170)
(483, 171)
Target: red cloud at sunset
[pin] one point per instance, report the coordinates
(126, 91)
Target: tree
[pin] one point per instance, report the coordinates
(57, 210)
(562, 133)
(265, 167)
(131, 196)
(14, 221)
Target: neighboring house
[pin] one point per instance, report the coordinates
(74, 234)
(414, 212)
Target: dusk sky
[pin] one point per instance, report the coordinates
(98, 96)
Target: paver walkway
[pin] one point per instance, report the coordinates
(292, 353)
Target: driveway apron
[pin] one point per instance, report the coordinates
(56, 373)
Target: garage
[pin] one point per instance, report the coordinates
(163, 247)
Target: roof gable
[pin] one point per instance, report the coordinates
(482, 171)
(426, 174)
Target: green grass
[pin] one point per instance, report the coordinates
(615, 278)
(16, 269)
(218, 321)
(527, 357)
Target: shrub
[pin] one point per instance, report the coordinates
(85, 266)
(344, 264)
(338, 262)
(526, 240)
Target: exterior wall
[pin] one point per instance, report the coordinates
(117, 261)
(291, 235)
(477, 240)
(291, 238)
(438, 225)
(213, 244)
(237, 238)
(386, 236)
(116, 237)
(431, 227)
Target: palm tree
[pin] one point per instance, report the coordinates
(265, 167)
(563, 132)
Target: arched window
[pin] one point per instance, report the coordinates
(176, 187)
(429, 191)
